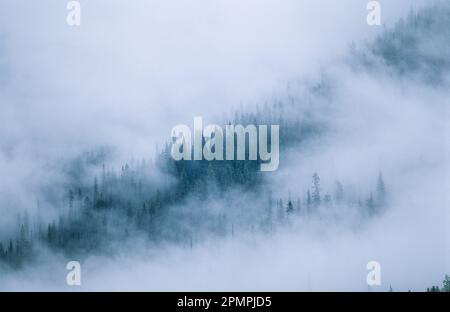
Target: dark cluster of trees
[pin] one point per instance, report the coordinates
(313, 201)
(409, 48)
(18, 250)
(445, 286)
(117, 205)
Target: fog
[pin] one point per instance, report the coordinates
(132, 71)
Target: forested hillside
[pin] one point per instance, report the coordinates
(194, 199)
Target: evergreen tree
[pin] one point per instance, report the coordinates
(95, 191)
(316, 190)
(433, 289)
(10, 247)
(289, 207)
(446, 284)
(71, 198)
(381, 191)
(2, 251)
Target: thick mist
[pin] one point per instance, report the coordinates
(131, 72)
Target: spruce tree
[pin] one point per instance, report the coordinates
(316, 190)
(381, 191)
(446, 284)
(289, 207)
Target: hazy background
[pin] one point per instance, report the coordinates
(132, 71)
